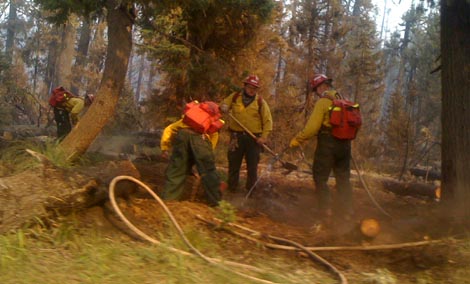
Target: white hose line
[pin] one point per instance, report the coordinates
(294, 246)
(214, 261)
(366, 187)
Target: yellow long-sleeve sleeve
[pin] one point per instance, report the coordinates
(320, 116)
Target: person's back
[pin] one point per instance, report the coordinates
(190, 147)
(74, 107)
(331, 153)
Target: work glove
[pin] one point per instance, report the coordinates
(224, 108)
(261, 141)
(294, 143)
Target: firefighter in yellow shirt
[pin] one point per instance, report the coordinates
(331, 154)
(66, 113)
(189, 148)
(253, 112)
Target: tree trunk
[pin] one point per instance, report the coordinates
(97, 55)
(82, 53)
(455, 44)
(150, 83)
(11, 32)
(382, 26)
(139, 79)
(63, 64)
(130, 68)
(52, 52)
(120, 21)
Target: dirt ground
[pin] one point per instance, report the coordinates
(284, 206)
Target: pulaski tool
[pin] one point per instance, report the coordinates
(288, 166)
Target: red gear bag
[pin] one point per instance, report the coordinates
(59, 96)
(203, 117)
(345, 119)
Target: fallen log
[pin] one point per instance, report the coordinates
(427, 174)
(411, 188)
(38, 192)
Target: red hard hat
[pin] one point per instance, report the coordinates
(252, 80)
(89, 98)
(58, 90)
(318, 79)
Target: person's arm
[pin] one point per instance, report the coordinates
(168, 134)
(267, 120)
(315, 121)
(226, 103)
(77, 106)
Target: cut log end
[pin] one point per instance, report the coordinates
(370, 227)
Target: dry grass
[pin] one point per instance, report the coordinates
(66, 254)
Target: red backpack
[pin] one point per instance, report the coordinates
(345, 119)
(203, 117)
(59, 96)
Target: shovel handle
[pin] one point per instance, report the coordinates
(286, 165)
(242, 126)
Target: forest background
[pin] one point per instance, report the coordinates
(145, 59)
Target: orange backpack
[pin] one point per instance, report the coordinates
(203, 117)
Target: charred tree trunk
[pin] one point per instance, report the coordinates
(455, 43)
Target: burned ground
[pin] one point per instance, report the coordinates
(283, 206)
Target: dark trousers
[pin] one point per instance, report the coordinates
(242, 145)
(190, 148)
(334, 155)
(61, 117)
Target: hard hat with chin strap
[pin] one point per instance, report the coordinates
(319, 79)
(252, 80)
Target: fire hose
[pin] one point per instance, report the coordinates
(214, 261)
